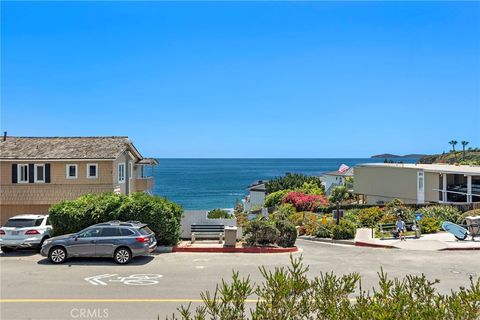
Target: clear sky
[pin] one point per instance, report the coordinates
(255, 79)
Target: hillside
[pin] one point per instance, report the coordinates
(471, 157)
(394, 156)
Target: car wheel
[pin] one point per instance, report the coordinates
(57, 255)
(7, 249)
(122, 255)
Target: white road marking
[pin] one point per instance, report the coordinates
(95, 280)
(200, 267)
(133, 279)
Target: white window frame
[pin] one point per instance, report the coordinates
(131, 171)
(68, 171)
(36, 172)
(88, 170)
(121, 179)
(19, 173)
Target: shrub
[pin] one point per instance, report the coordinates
(429, 225)
(275, 198)
(369, 217)
(388, 218)
(162, 216)
(283, 211)
(352, 215)
(291, 181)
(219, 214)
(260, 232)
(442, 213)
(344, 230)
(305, 202)
(471, 213)
(287, 293)
(287, 234)
(311, 188)
(306, 221)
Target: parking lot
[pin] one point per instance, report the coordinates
(148, 287)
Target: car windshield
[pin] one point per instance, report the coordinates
(22, 223)
(145, 231)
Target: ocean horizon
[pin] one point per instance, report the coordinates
(208, 183)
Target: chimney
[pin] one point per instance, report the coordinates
(4, 135)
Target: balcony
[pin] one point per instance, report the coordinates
(144, 184)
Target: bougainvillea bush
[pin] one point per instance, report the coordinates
(306, 202)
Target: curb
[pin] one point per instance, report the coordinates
(373, 245)
(235, 250)
(326, 240)
(460, 249)
(164, 249)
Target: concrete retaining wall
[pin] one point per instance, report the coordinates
(200, 217)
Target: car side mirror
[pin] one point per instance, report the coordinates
(75, 238)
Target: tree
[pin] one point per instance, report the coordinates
(453, 143)
(464, 144)
(339, 194)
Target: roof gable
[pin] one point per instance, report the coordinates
(65, 147)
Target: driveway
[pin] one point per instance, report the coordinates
(32, 288)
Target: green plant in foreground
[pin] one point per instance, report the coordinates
(286, 293)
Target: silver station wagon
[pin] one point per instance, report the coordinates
(120, 240)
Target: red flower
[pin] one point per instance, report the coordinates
(305, 202)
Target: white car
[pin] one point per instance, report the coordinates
(25, 231)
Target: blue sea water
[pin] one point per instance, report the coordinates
(203, 184)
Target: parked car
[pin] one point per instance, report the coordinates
(120, 240)
(25, 231)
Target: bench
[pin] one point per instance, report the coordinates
(384, 227)
(208, 230)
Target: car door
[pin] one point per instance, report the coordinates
(107, 242)
(83, 244)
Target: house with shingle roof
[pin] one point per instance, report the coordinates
(36, 172)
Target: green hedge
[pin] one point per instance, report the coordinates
(161, 215)
(219, 214)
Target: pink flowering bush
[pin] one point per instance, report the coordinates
(305, 202)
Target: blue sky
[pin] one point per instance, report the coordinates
(255, 79)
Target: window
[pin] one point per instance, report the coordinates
(90, 233)
(23, 173)
(110, 232)
(126, 232)
(72, 171)
(22, 223)
(130, 174)
(121, 172)
(420, 182)
(39, 173)
(92, 170)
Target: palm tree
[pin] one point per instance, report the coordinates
(453, 143)
(464, 144)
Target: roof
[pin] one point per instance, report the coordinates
(440, 168)
(150, 161)
(65, 147)
(28, 216)
(348, 173)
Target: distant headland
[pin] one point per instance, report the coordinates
(394, 156)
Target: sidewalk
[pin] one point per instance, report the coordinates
(427, 242)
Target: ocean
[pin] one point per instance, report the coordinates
(204, 184)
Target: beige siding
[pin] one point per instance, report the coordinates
(133, 175)
(58, 172)
(432, 181)
(386, 183)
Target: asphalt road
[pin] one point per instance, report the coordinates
(33, 288)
